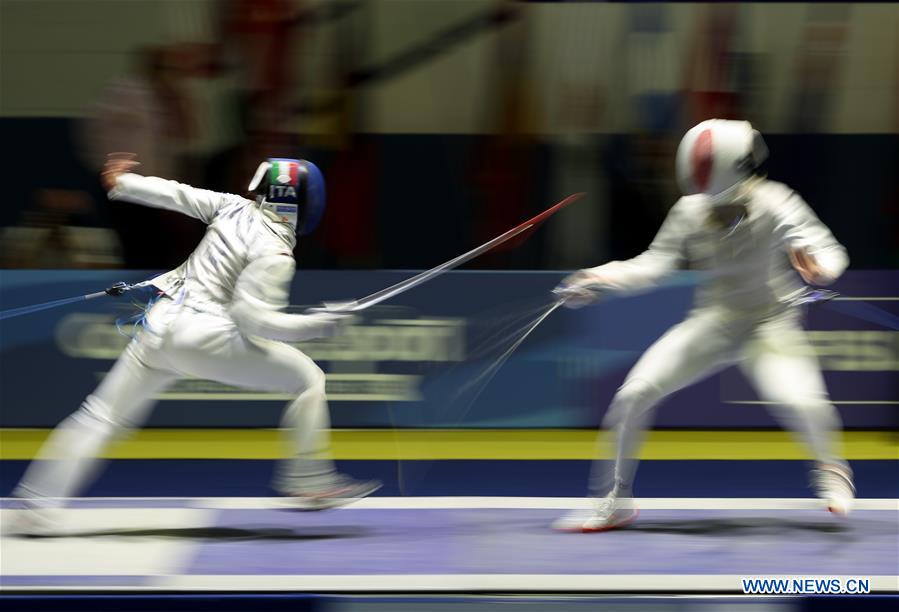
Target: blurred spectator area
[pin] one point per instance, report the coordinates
(438, 124)
(47, 236)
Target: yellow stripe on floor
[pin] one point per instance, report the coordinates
(434, 444)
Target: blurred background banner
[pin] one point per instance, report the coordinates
(430, 361)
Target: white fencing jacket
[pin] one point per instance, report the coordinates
(243, 266)
(746, 269)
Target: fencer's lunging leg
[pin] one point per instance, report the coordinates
(625, 428)
(782, 366)
(71, 457)
(691, 350)
(784, 370)
(695, 348)
(210, 346)
(306, 423)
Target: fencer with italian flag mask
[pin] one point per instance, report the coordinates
(221, 316)
(293, 190)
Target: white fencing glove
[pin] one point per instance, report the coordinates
(580, 289)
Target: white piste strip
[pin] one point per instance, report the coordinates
(540, 583)
(488, 582)
(552, 503)
(537, 503)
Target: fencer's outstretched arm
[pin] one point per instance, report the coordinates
(171, 195)
(804, 235)
(664, 256)
(260, 295)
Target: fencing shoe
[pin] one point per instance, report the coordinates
(833, 484)
(337, 491)
(610, 512)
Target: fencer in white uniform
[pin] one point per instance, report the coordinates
(219, 316)
(747, 237)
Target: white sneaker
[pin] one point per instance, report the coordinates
(343, 490)
(610, 512)
(833, 484)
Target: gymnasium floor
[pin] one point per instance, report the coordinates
(460, 513)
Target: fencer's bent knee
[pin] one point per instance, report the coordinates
(311, 380)
(97, 414)
(318, 380)
(635, 395)
(637, 392)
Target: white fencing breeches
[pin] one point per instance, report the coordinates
(179, 342)
(774, 354)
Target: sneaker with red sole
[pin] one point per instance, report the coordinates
(833, 484)
(341, 491)
(610, 512)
